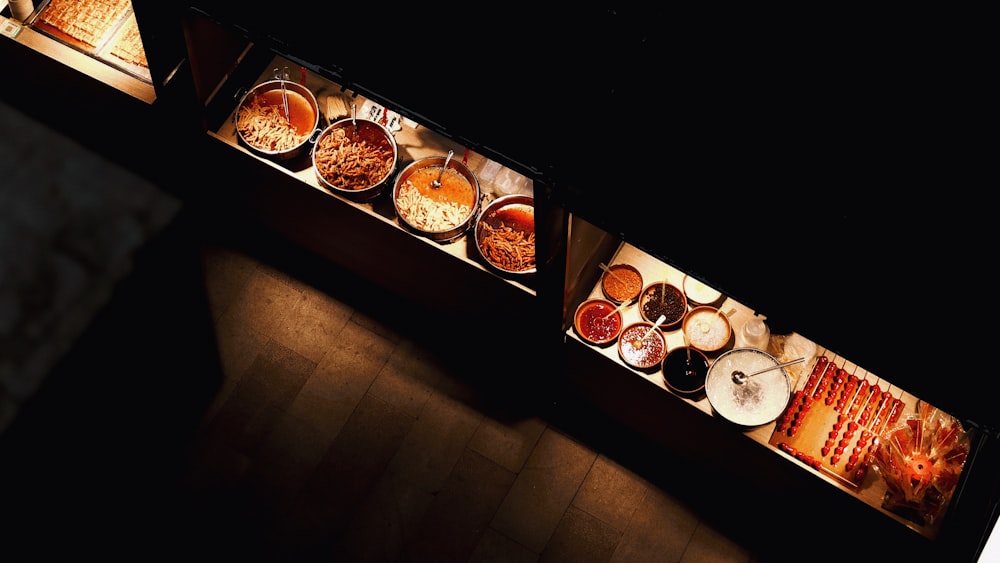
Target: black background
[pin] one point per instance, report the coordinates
(821, 168)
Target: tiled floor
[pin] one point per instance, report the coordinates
(240, 399)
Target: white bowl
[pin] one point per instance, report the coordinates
(759, 399)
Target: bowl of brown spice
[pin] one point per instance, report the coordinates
(505, 235)
(621, 282)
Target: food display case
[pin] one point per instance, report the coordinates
(104, 72)
(102, 40)
(681, 187)
(442, 268)
(911, 466)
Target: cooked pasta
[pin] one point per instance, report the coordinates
(426, 213)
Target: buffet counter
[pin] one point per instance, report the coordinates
(806, 437)
(414, 142)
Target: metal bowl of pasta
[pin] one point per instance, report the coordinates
(355, 158)
(277, 118)
(505, 235)
(441, 213)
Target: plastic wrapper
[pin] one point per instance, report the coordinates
(921, 458)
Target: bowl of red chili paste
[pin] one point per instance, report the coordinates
(505, 235)
(598, 321)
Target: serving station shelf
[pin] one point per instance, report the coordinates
(414, 141)
(803, 431)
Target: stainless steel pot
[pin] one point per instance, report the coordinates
(303, 115)
(345, 182)
(515, 211)
(447, 234)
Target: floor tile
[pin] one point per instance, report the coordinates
(581, 538)
(543, 490)
(386, 522)
(399, 385)
(315, 324)
(610, 493)
(437, 439)
(262, 396)
(709, 546)
(459, 515)
(494, 547)
(342, 378)
(507, 442)
(660, 530)
(226, 273)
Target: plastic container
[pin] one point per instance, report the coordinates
(21, 10)
(755, 334)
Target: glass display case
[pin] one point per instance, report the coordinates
(440, 271)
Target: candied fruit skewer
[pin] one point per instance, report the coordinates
(824, 381)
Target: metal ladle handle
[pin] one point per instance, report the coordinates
(437, 183)
(740, 378)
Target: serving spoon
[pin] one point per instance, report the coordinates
(612, 272)
(437, 183)
(740, 378)
(638, 343)
(618, 308)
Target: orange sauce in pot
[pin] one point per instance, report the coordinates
(455, 187)
(300, 112)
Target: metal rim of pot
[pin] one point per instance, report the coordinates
(492, 207)
(275, 84)
(447, 235)
(373, 191)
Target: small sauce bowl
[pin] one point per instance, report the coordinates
(598, 322)
(644, 354)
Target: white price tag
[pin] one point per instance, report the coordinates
(374, 112)
(9, 28)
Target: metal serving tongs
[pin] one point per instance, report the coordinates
(740, 378)
(283, 76)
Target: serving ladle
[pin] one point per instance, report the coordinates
(740, 378)
(437, 183)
